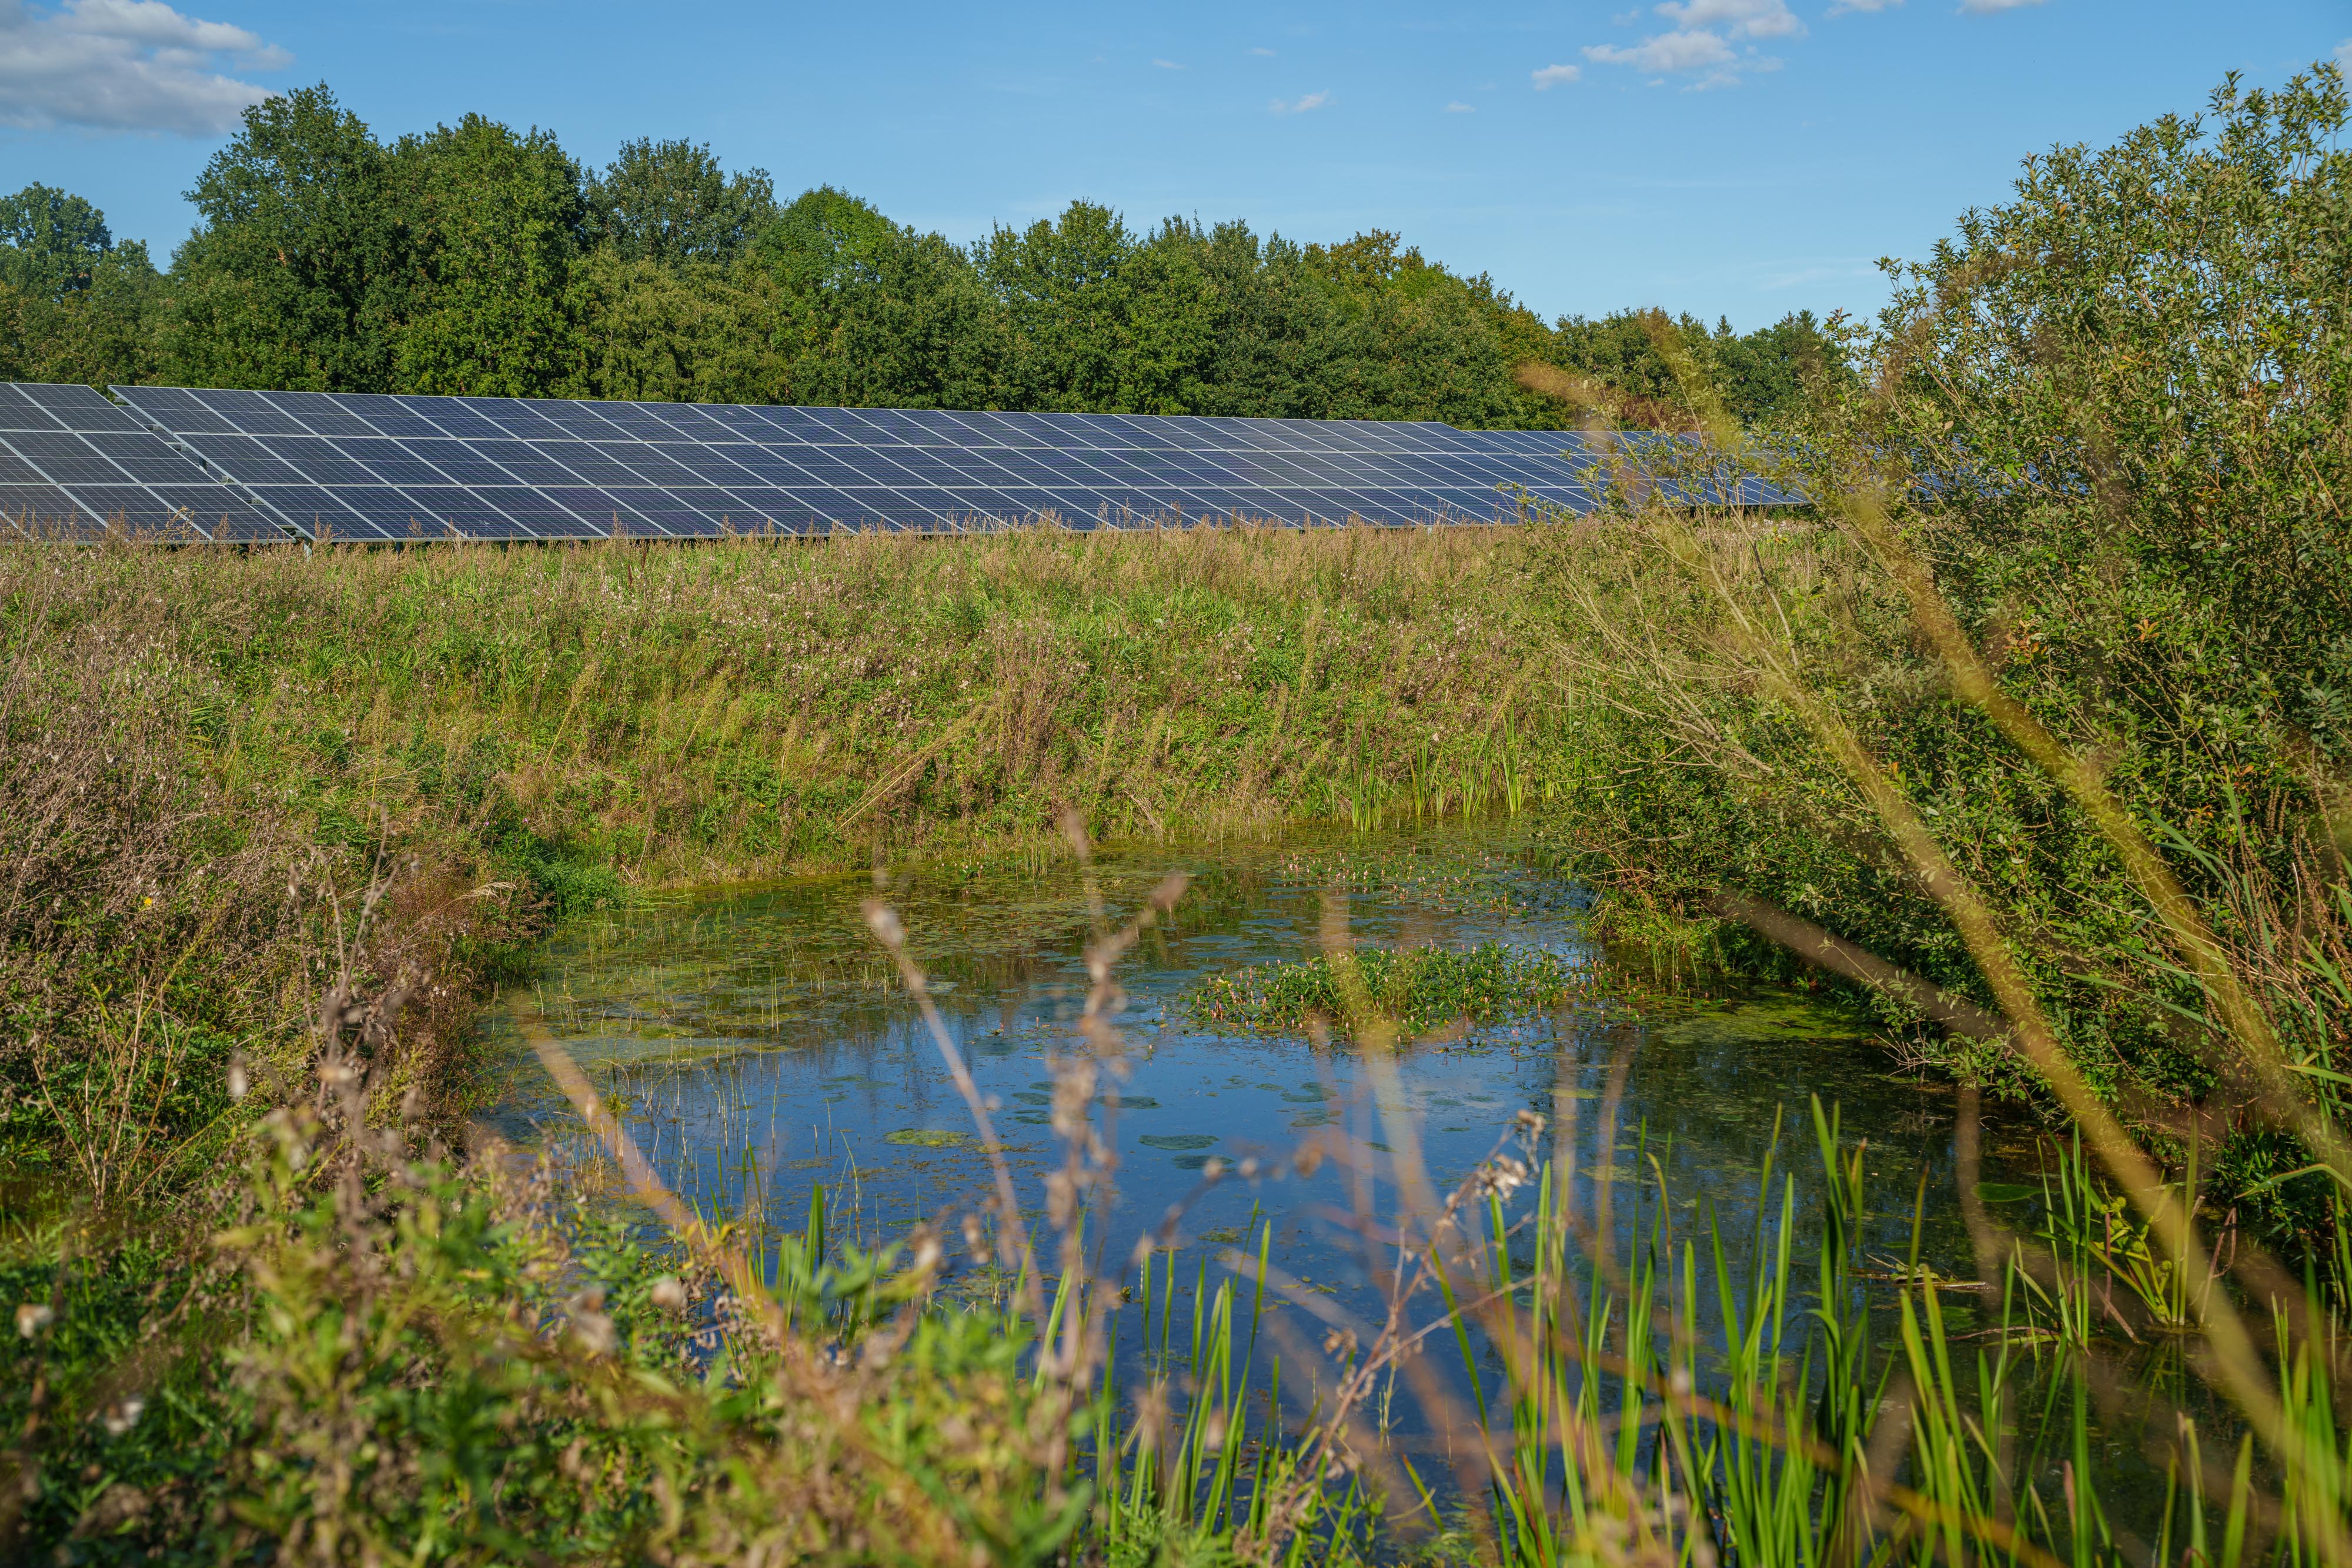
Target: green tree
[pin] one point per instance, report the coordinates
(690, 332)
(74, 304)
(50, 241)
(495, 223)
(1414, 341)
(869, 313)
(670, 202)
(2142, 365)
(1099, 321)
(300, 268)
(1271, 323)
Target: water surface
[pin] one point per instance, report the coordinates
(757, 1043)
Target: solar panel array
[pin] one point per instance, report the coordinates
(369, 466)
(73, 465)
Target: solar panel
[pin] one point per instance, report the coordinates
(378, 467)
(75, 466)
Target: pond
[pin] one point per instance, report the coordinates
(757, 1043)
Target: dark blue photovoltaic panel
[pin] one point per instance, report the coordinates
(75, 466)
(368, 466)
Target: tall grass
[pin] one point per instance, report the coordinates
(514, 734)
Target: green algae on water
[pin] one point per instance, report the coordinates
(928, 1138)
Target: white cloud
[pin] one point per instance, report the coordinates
(1167, 65)
(1551, 77)
(1738, 18)
(1458, 107)
(1987, 8)
(2344, 54)
(1267, 54)
(1706, 44)
(1313, 101)
(1668, 52)
(1842, 7)
(126, 65)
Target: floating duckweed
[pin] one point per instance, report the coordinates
(928, 1138)
(1178, 1141)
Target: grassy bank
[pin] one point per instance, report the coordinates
(212, 758)
(243, 784)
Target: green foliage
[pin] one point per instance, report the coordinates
(1761, 376)
(50, 241)
(477, 259)
(1417, 989)
(1096, 320)
(869, 313)
(495, 223)
(2113, 420)
(299, 272)
(2141, 370)
(670, 202)
(74, 304)
(509, 736)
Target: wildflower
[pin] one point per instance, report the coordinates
(120, 1418)
(1501, 1176)
(32, 1317)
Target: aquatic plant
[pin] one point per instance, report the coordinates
(1418, 989)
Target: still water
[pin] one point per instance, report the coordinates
(756, 1043)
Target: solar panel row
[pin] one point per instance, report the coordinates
(74, 466)
(369, 466)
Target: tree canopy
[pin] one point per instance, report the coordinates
(477, 258)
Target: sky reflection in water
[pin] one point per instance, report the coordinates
(757, 1044)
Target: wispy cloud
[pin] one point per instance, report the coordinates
(2344, 54)
(1551, 77)
(1311, 101)
(1738, 18)
(1667, 52)
(1842, 7)
(1458, 107)
(1710, 42)
(1987, 8)
(1167, 65)
(1267, 54)
(126, 65)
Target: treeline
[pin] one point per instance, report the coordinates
(476, 259)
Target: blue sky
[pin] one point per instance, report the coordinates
(1742, 158)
